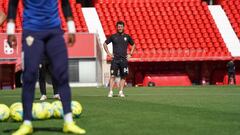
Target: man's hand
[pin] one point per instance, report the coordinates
(111, 55)
(129, 56)
(71, 39)
(71, 30)
(12, 41)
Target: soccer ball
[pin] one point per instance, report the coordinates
(57, 109)
(39, 112)
(16, 111)
(15, 104)
(4, 112)
(47, 106)
(76, 108)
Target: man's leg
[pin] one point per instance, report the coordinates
(32, 57)
(122, 83)
(32, 52)
(123, 74)
(113, 73)
(234, 78)
(229, 78)
(55, 89)
(57, 52)
(49, 69)
(111, 84)
(42, 81)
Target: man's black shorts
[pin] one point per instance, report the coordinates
(119, 65)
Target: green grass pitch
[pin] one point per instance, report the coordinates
(197, 110)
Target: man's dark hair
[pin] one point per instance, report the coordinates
(120, 23)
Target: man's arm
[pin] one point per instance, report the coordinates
(108, 41)
(12, 11)
(131, 52)
(106, 49)
(131, 42)
(70, 23)
(2, 17)
(133, 49)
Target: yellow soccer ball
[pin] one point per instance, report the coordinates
(57, 109)
(15, 104)
(39, 112)
(4, 112)
(16, 111)
(47, 106)
(76, 109)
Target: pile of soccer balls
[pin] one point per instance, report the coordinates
(40, 111)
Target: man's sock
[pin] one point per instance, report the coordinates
(68, 118)
(27, 122)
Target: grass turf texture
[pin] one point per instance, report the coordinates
(197, 110)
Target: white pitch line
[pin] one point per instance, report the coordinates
(178, 94)
(181, 94)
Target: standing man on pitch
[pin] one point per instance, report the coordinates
(42, 34)
(120, 42)
(44, 69)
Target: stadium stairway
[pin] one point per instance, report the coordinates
(232, 9)
(94, 25)
(226, 30)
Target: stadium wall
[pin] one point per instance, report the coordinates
(85, 62)
(180, 73)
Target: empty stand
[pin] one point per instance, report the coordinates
(76, 9)
(166, 30)
(77, 16)
(232, 9)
